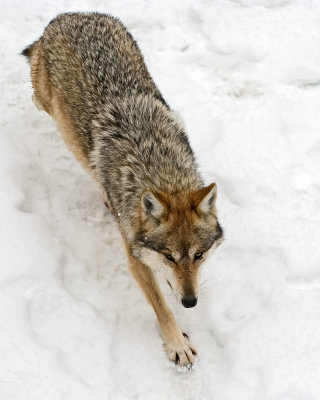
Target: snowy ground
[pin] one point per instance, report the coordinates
(245, 76)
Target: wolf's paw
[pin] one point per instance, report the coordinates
(179, 349)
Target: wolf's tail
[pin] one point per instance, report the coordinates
(27, 52)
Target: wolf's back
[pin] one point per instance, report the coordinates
(92, 55)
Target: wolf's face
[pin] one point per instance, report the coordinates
(177, 233)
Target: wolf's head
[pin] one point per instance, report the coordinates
(176, 235)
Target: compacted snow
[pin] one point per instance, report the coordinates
(245, 77)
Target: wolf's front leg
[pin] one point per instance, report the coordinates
(176, 342)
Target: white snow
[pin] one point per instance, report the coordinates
(245, 77)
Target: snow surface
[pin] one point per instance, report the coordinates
(245, 77)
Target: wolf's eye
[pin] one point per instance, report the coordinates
(169, 257)
(198, 256)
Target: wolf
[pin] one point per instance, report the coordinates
(89, 75)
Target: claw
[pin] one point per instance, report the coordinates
(188, 358)
(185, 335)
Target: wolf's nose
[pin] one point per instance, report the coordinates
(189, 301)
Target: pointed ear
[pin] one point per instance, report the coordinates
(205, 198)
(152, 205)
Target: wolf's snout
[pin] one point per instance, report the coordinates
(189, 301)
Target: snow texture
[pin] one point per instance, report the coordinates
(245, 77)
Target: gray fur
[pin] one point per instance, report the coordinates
(138, 146)
(100, 64)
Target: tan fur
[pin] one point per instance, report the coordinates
(68, 131)
(40, 78)
(46, 98)
(71, 138)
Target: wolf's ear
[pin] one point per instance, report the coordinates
(151, 205)
(205, 198)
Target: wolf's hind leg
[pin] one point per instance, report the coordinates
(176, 343)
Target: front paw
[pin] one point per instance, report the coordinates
(179, 349)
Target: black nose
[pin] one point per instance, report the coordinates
(189, 301)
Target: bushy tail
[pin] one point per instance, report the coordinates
(27, 52)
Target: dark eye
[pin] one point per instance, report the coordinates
(169, 257)
(198, 256)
